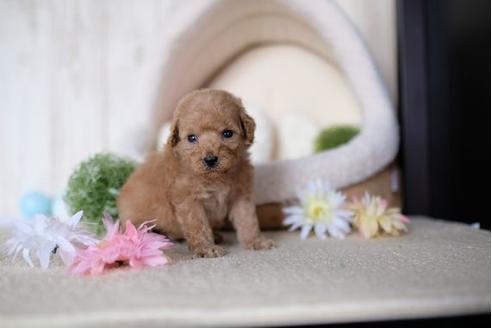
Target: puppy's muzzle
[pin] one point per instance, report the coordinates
(210, 161)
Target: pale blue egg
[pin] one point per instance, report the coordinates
(34, 203)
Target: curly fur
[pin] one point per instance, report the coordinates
(189, 199)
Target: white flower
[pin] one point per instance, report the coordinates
(41, 235)
(321, 208)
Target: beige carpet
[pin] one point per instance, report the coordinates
(437, 269)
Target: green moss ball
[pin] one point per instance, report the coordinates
(335, 136)
(94, 186)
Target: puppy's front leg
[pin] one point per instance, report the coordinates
(196, 230)
(244, 220)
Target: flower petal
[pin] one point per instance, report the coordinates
(404, 218)
(342, 225)
(320, 230)
(66, 256)
(97, 268)
(385, 223)
(295, 226)
(293, 219)
(74, 220)
(27, 257)
(305, 231)
(156, 261)
(130, 230)
(44, 254)
(293, 210)
(369, 228)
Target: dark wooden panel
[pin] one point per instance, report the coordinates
(413, 105)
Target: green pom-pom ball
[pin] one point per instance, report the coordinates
(94, 187)
(335, 136)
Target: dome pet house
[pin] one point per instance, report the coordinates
(210, 35)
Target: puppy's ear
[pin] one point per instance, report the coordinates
(248, 126)
(173, 138)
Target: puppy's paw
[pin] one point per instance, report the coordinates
(258, 243)
(208, 251)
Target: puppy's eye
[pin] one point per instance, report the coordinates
(192, 138)
(228, 133)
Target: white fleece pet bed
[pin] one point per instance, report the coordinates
(437, 269)
(207, 37)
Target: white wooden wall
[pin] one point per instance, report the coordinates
(78, 76)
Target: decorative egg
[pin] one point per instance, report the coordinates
(59, 208)
(262, 148)
(296, 135)
(34, 203)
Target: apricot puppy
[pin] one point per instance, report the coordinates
(201, 179)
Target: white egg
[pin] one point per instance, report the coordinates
(296, 136)
(262, 148)
(59, 208)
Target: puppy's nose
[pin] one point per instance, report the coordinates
(210, 161)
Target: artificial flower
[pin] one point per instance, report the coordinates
(372, 217)
(133, 247)
(322, 209)
(42, 235)
(142, 247)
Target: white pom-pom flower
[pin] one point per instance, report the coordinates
(41, 235)
(321, 208)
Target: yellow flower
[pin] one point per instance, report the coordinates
(373, 218)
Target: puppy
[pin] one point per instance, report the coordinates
(201, 179)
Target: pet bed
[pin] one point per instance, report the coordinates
(437, 269)
(211, 34)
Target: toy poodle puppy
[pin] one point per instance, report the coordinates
(201, 179)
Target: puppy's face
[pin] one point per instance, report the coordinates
(211, 132)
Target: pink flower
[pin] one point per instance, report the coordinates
(373, 217)
(134, 247)
(143, 248)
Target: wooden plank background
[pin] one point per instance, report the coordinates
(81, 76)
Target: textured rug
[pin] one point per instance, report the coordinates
(437, 269)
